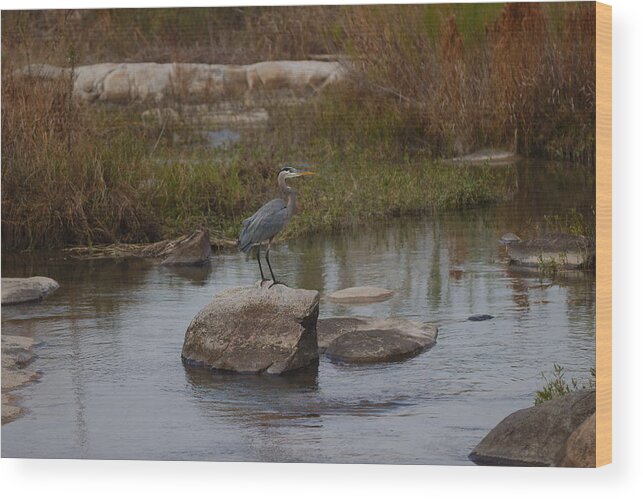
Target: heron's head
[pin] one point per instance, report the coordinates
(291, 172)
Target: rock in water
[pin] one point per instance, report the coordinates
(509, 238)
(536, 436)
(195, 250)
(20, 290)
(255, 330)
(560, 251)
(360, 294)
(362, 340)
(480, 317)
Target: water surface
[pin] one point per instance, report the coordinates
(113, 385)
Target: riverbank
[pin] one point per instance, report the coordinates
(76, 173)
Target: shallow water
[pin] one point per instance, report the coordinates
(113, 385)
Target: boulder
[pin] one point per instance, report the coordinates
(362, 340)
(535, 436)
(360, 294)
(255, 329)
(20, 290)
(556, 251)
(195, 250)
(580, 449)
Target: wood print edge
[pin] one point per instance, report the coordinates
(603, 234)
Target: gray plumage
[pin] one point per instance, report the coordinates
(264, 224)
(268, 220)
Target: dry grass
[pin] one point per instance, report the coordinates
(428, 81)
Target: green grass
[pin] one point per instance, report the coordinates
(556, 385)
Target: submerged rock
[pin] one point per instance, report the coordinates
(480, 317)
(361, 340)
(555, 251)
(535, 436)
(195, 250)
(360, 294)
(255, 329)
(21, 290)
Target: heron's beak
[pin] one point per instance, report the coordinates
(306, 173)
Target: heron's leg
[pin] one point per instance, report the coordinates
(274, 279)
(263, 278)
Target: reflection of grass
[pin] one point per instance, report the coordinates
(571, 222)
(557, 386)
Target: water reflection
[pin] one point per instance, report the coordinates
(114, 386)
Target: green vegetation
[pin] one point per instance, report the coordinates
(557, 386)
(439, 81)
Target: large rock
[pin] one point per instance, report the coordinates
(20, 290)
(255, 329)
(195, 250)
(148, 81)
(535, 436)
(554, 251)
(363, 340)
(360, 294)
(580, 449)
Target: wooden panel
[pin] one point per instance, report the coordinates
(603, 234)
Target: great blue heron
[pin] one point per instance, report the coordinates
(269, 220)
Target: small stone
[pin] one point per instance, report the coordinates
(479, 317)
(360, 294)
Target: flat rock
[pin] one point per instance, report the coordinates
(564, 251)
(360, 294)
(580, 449)
(509, 238)
(195, 250)
(535, 436)
(21, 290)
(491, 156)
(361, 340)
(255, 329)
(155, 82)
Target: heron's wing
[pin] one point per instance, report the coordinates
(264, 224)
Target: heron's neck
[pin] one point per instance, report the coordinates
(291, 194)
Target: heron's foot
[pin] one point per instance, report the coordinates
(262, 281)
(278, 282)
